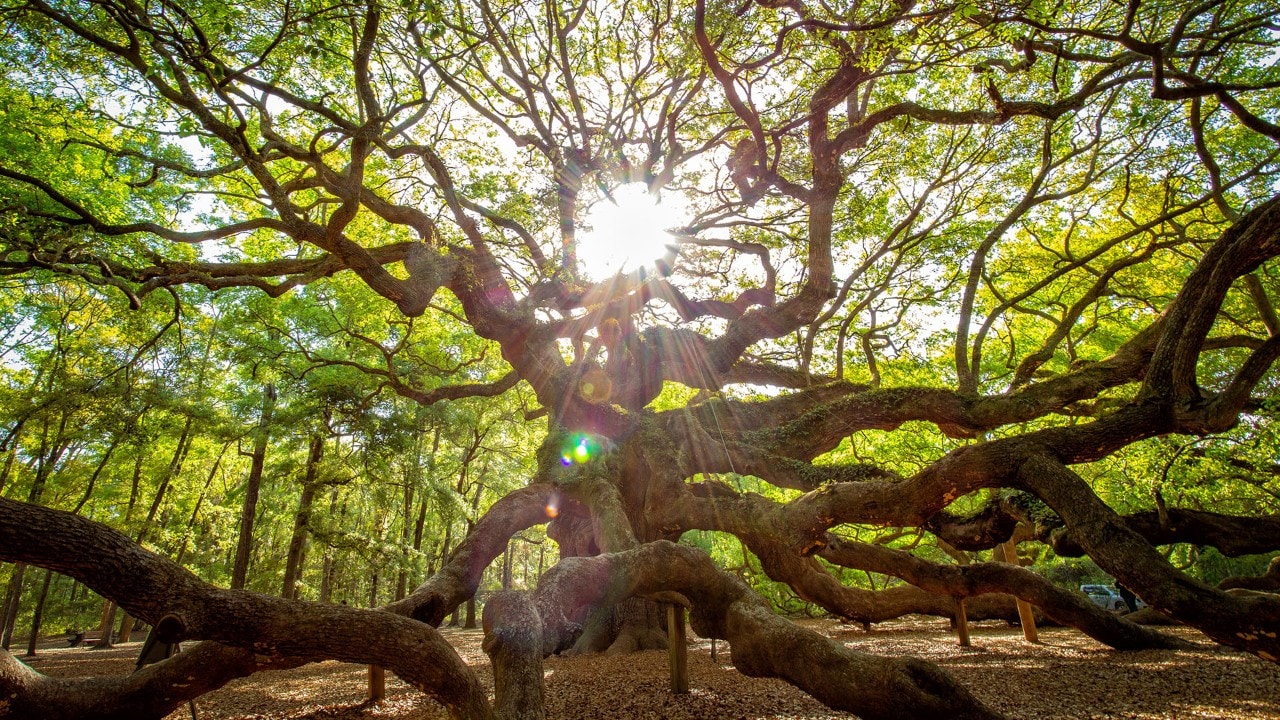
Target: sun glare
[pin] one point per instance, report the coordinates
(629, 233)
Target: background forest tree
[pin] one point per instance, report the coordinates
(294, 303)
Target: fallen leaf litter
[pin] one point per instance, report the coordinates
(1065, 676)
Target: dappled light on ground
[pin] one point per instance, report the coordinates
(1066, 675)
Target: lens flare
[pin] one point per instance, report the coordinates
(579, 448)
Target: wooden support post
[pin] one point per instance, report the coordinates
(677, 650)
(962, 623)
(377, 683)
(1026, 616)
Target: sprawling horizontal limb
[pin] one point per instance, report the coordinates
(763, 644)
(993, 523)
(152, 692)
(182, 607)
(814, 584)
(1269, 581)
(935, 585)
(1249, 621)
(1063, 606)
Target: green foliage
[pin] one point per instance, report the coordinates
(262, 181)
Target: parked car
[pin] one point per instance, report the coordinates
(1105, 597)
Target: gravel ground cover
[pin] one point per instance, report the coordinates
(1066, 675)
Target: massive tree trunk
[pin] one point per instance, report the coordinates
(811, 222)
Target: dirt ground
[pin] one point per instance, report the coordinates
(1066, 675)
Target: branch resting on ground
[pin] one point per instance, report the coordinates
(763, 644)
(182, 607)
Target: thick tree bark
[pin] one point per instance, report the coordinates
(814, 584)
(1267, 582)
(181, 607)
(1249, 621)
(513, 642)
(460, 576)
(1233, 536)
(1062, 606)
(993, 524)
(763, 644)
(149, 694)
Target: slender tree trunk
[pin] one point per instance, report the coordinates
(134, 485)
(448, 542)
(175, 468)
(328, 573)
(444, 554)
(11, 600)
(417, 541)
(240, 570)
(422, 505)
(326, 577)
(9, 457)
(506, 567)
(126, 629)
(373, 590)
(298, 543)
(39, 614)
(195, 512)
(107, 625)
(406, 536)
(475, 510)
(93, 479)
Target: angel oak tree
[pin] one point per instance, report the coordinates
(945, 262)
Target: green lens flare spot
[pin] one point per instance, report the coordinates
(580, 448)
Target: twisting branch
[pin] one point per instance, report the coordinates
(1250, 622)
(153, 692)
(182, 607)
(764, 644)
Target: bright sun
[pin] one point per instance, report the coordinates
(629, 234)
